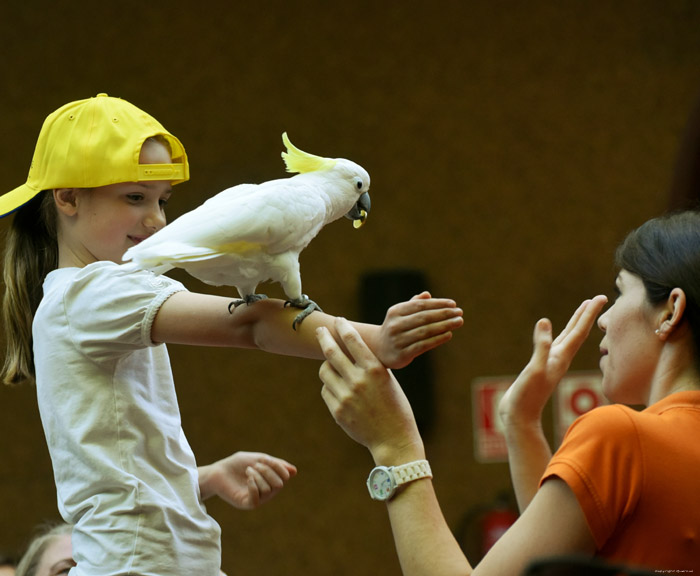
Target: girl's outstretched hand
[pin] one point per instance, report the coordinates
(365, 399)
(413, 327)
(523, 402)
(245, 480)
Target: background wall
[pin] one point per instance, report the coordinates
(511, 146)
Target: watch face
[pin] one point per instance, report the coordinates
(380, 484)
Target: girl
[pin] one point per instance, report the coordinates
(622, 485)
(92, 334)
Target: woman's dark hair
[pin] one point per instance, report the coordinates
(665, 253)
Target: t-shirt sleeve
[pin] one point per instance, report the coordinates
(110, 310)
(600, 460)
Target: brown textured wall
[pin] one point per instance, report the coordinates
(510, 145)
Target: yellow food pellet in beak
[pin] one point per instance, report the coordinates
(361, 220)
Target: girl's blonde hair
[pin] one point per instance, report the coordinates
(31, 252)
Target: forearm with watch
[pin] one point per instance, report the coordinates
(397, 463)
(424, 542)
(384, 482)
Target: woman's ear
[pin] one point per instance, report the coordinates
(66, 200)
(673, 313)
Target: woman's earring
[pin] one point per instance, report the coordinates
(657, 331)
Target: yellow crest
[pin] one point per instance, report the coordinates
(302, 162)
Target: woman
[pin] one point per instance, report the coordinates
(49, 553)
(622, 485)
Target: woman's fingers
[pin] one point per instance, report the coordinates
(579, 327)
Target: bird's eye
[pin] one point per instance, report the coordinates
(358, 183)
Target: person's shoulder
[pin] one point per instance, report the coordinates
(611, 412)
(105, 284)
(610, 420)
(606, 435)
(101, 268)
(108, 273)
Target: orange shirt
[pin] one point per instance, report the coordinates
(636, 476)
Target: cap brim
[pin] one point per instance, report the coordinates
(14, 199)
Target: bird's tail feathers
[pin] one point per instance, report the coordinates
(157, 270)
(302, 162)
(168, 255)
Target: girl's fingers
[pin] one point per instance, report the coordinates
(280, 468)
(419, 304)
(421, 344)
(272, 478)
(422, 296)
(430, 315)
(258, 478)
(423, 326)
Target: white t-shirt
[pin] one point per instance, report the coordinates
(126, 477)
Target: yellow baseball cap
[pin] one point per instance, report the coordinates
(95, 142)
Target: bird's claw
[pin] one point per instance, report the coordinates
(307, 305)
(248, 299)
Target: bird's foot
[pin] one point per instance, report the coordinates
(306, 304)
(248, 299)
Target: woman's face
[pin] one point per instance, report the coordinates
(57, 558)
(630, 349)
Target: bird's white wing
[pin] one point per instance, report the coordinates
(273, 217)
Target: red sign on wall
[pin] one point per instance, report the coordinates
(489, 441)
(576, 394)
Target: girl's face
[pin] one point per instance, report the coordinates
(630, 349)
(57, 558)
(110, 219)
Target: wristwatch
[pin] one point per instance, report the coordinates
(383, 481)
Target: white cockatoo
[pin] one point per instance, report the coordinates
(252, 233)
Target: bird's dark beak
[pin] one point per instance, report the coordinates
(358, 213)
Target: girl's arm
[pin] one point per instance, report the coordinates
(409, 329)
(367, 402)
(522, 405)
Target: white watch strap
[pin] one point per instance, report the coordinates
(411, 471)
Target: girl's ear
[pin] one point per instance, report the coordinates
(66, 200)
